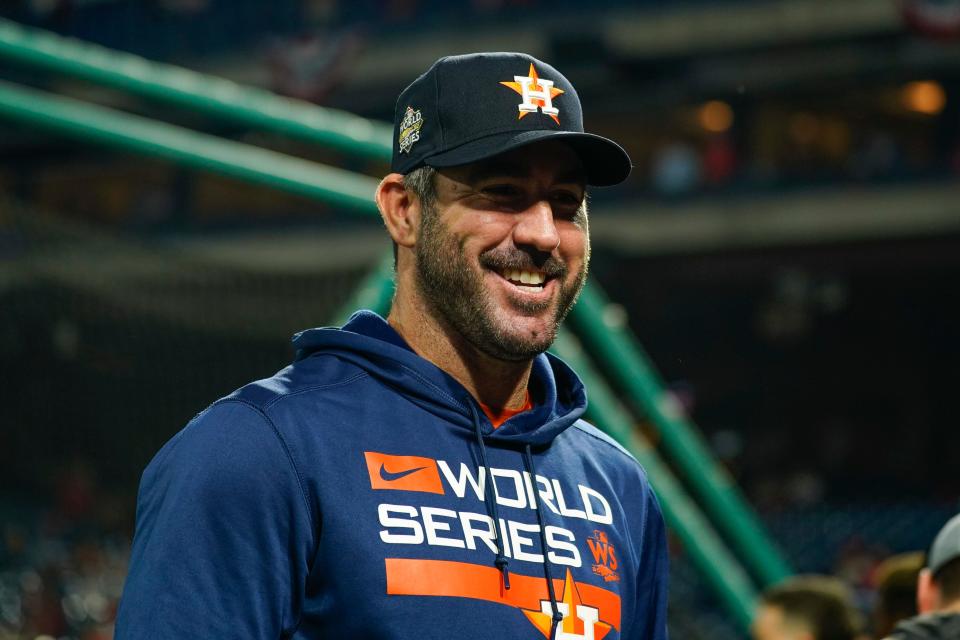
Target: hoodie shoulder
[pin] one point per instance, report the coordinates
(316, 372)
(588, 429)
(928, 626)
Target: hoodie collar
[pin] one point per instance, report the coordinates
(368, 341)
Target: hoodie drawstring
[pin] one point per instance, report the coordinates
(501, 561)
(551, 591)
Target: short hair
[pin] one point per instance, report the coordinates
(821, 603)
(947, 578)
(421, 182)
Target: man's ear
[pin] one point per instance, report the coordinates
(399, 209)
(928, 595)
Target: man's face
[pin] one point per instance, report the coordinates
(771, 624)
(503, 255)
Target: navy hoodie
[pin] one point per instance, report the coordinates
(361, 493)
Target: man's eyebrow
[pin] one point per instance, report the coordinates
(574, 176)
(501, 168)
(496, 169)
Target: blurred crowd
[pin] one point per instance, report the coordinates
(386, 12)
(62, 567)
(744, 139)
(680, 167)
(917, 598)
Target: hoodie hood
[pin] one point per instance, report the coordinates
(369, 342)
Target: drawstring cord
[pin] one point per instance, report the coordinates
(501, 561)
(551, 590)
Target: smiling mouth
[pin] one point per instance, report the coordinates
(531, 279)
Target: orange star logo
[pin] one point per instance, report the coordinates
(580, 621)
(536, 94)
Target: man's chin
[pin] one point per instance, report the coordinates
(514, 351)
(521, 337)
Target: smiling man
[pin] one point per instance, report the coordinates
(428, 475)
(496, 252)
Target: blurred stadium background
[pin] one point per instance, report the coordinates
(787, 250)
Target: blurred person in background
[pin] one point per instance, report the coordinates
(677, 169)
(896, 587)
(938, 591)
(807, 608)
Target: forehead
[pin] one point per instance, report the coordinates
(768, 623)
(551, 160)
(773, 623)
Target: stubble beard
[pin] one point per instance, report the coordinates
(455, 294)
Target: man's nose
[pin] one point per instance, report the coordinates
(536, 228)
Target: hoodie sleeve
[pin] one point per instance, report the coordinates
(223, 536)
(652, 581)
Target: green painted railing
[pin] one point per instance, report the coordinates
(708, 552)
(197, 91)
(624, 360)
(188, 148)
(375, 291)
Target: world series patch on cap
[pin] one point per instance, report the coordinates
(471, 107)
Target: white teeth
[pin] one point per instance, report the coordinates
(524, 277)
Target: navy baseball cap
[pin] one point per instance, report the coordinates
(471, 107)
(946, 546)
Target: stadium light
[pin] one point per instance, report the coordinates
(715, 116)
(924, 96)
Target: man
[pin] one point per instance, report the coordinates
(896, 584)
(427, 476)
(938, 590)
(807, 608)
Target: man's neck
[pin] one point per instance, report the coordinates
(499, 384)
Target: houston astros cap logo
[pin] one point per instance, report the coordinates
(536, 94)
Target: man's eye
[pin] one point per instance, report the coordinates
(503, 191)
(567, 202)
(567, 197)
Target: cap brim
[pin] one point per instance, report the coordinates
(605, 162)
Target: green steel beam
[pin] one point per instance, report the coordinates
(625, 362)
(708, 552)
(375, 291)
(200, 92)
(706, 549)
(140, 135)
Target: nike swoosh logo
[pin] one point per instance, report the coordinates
(390, 477)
